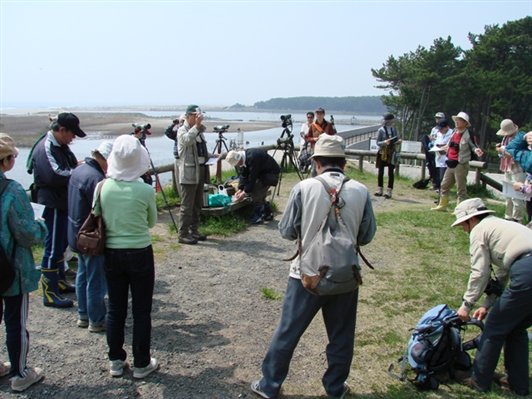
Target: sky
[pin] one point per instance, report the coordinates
(218, 53)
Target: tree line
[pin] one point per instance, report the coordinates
(492, 81)
(354, 105)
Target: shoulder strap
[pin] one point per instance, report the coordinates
(96, 202)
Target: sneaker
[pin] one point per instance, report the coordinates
(116, 367)
(82, 323)
(471, 383)
(268, 217)
(141, 372)
(5, 369)
(256, 219)
(189, 240)
(347, 389)
(255, 387)
(97, 328)
(33, 375)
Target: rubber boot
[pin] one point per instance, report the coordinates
(442, 206)
(63, 284)
(268, 212)
(50, 290)
(379, 192)
(388, 194)
(256, 218)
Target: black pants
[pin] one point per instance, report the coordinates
(380, 175)
(506, 325)
(17, 336)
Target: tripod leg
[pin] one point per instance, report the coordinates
(218, 150)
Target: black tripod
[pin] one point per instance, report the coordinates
(286, 143)
(218, 147)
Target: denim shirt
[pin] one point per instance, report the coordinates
(19, 226)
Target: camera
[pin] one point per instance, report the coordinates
(221, 128)
(285, 142)
(494, 287)
(287, 120)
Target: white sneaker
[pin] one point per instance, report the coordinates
(141, 372)
(33, 375)
(116, 367)
(255, 387)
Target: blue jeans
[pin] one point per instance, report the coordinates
(91, 288)
(299, 308)
(125, 269)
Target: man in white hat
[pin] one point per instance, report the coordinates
(458, 156)
(90, 278)
(308, 205)
(512, 170)
(501, 267)
(257, 171)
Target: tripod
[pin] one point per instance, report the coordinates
(289, 158)
(220, 143)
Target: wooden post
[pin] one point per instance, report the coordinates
(361, 163)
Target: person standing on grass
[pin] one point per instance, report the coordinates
(500, 251)
(459, 150)
(442, 139)
(18, 232)
(193, 174)
(91, 286)
(128, 208)
(307, 207)
(53, 163)
(387, 138)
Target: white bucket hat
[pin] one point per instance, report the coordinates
(440, 115)
(329, 146)
(462, 115)
(508, 128)
(128, 160)
(467, 209)
(234, 157)
(104, 149)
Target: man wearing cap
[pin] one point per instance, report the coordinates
(53, 163)
(308, 205)
(442, 138)
(193, 174)
(171, 133)
(504, 249)
(387, 138)
(91, 286)
(458, 156)
(427, 142)
(257, 172)
(512, 170)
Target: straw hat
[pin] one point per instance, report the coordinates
(467, 209)
(234, 157)
(128, 160)
(7, 146)
(329, 146)
(462, 115)
(508, 128)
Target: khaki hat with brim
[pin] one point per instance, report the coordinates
(7, 146)
(463, 116)
(329, 146)
(508, 128)
(467, 209)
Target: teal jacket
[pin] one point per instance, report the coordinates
(518, 149)
(18, 226)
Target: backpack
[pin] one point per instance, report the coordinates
(435, 351)
(7, 271)
(329, 266)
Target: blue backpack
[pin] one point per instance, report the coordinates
(436, 350)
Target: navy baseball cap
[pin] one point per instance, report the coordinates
(70, 122)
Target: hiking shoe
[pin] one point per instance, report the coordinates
(33, 375)
(5, 369)
(268, 217)
(189, 240)
(471, 383)
(255, 387)
(198, 236)
(97, 328)
(116, 367)
(256, 219)
(141, 372)
(82, 323)
(346, 390)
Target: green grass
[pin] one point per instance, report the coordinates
(172, 198)
(271, 294)
(223, 226)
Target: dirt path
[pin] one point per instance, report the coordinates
(211, 325)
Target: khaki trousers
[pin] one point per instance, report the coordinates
(456, 175)
(191, 203)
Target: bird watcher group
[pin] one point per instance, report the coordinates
(110, 184)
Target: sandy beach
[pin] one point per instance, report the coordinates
(26, 128)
